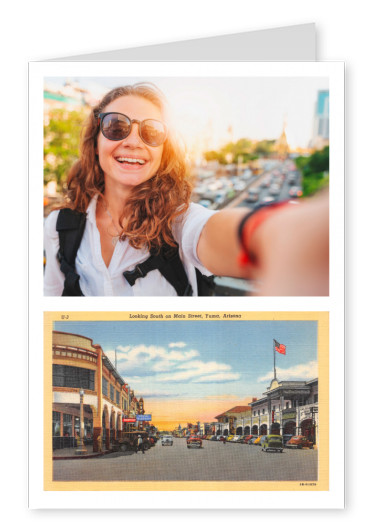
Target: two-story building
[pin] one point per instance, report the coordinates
(287, 408)
(79, 365)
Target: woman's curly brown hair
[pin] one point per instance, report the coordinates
(152, 206)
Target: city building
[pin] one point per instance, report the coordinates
(320, 135)
(234, 421)
(110, 406)
(288, 408)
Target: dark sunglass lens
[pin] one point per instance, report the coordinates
(153, 132)
(115, 126)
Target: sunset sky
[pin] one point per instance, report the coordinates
(189, 371)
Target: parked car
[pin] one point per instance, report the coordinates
(257, 440)
(241, 439)
(248, 438)
(153, 439)
(235, 438)
(128, 441)
(166, 440)
(299, 441)
(286, 437)
(194, 442)
(229, 438)
(272, 442)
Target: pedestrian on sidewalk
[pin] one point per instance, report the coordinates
(140, 445)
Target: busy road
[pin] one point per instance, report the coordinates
(215, 461)
(279, 181)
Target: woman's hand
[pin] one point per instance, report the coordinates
(291, 247)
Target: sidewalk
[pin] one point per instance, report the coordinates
(70, 453)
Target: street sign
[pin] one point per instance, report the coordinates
(143, 417)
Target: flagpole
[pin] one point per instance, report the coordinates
(275, 376)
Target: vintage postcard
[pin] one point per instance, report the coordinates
(186, 401)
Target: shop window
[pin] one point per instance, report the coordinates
(77, 429)
(67, 425)
(88, 428)
(76, 377)
(56, 424)
(104, 386)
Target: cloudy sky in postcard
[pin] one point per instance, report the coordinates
(194, 370)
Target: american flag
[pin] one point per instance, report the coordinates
(279, 347)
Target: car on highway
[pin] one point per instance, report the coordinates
(268, 199)
(272, 442)
(295, 191)
(274, 189)
(166, 440)
(205, 203)
(299, 441)
(253, 196)
(194, 442)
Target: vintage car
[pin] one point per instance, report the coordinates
(128, 441)
(194, 442)
(299, 441)
(166, 440)
(272, 442)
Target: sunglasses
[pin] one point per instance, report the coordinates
(117, 126)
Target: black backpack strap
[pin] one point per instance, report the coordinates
(205, 284)
(168, 262)
(70, 225)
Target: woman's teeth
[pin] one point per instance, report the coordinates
(130, 161)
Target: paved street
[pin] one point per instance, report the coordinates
(215, 461)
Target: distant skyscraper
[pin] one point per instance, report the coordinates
(320, 137)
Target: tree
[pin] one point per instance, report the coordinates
(61, 144)
(315, 170)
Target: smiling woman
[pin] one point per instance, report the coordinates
(127, 227)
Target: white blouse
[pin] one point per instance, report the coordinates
(98, 280)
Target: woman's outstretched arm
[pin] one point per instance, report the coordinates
(289, 249)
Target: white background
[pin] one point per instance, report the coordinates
(41, 30)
